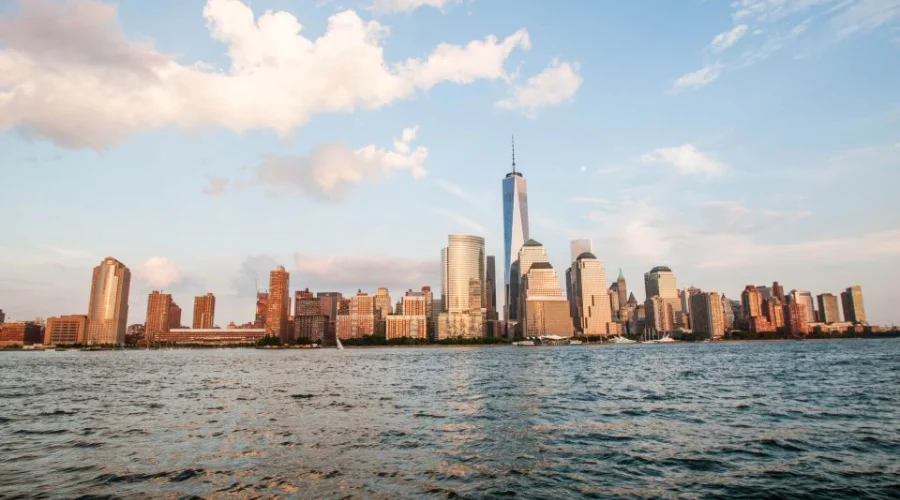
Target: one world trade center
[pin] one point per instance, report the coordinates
(515, 233)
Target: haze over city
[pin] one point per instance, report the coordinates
(735, 143)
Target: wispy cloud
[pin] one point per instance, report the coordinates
(728, 38)
(697, 79)
(462, 220)
(687, 160)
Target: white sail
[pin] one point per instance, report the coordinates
(339, 345)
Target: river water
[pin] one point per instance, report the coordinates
(790, 419)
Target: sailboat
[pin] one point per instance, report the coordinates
(339, 345)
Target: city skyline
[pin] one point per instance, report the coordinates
(720, 156)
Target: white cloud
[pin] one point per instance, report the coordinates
(700, 78)
(687, 160)
(70, 75)
(555, 85)
(462, 220)
(158, 272)
(728, 38)
(331, 170)
(387, 6)
(216, 186)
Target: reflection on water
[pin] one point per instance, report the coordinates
(696, 420)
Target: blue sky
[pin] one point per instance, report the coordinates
(736, 142)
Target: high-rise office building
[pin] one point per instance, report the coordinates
(660, 282)
(805, 301)
(546, 311)
(309, 322)
(278, 304)
(204, 312)
(2, 317)
(360, 318)
(707, 317)
(757, 314)
(828, 308)
(778, 292)
(464, 287)
(158, 307)
(854, 310)
(490, 289)
(660, 315)
(622, 289)
(262, 305)
(592, 310)
(64, 330)
(328, 303)
(383, 304)
(578, 247)
(795, 321)
(108, 307)
(174, 315)
(515, 232)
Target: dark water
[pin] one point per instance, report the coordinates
(805, 419)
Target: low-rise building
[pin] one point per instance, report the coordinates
(211, 336)
(402, 326)
(63, 330)
(21, 333)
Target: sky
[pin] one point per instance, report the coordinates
(203, 143)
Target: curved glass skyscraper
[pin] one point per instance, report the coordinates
(515, 232)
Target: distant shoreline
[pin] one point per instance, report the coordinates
(421, 346)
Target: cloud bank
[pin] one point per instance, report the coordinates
(69, 74)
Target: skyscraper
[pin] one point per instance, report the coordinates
(463, 287)
(578, 247)
(515, 231)
(707, 316)
(383, 305)
(592, 311)
(204, 311)
(852, 299)
(622, 289)
(174, 315)
(490, 287)
(262, 304)
(159, 306)
(279, 304)
(108, 307)
(660, 282)
(309, 322)
(828, 308)
(805, 301)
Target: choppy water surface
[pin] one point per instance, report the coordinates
(756, 420)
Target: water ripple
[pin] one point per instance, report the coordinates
(748, 420)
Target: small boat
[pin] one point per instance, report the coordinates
(575, 342)
(339, 345)
(524, 343)
(666, 340)
(621, 340)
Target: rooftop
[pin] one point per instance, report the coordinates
(532, 243)
(661, 269)
(586, 255)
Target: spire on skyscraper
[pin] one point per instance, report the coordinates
(514, 153)
(621, 276)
